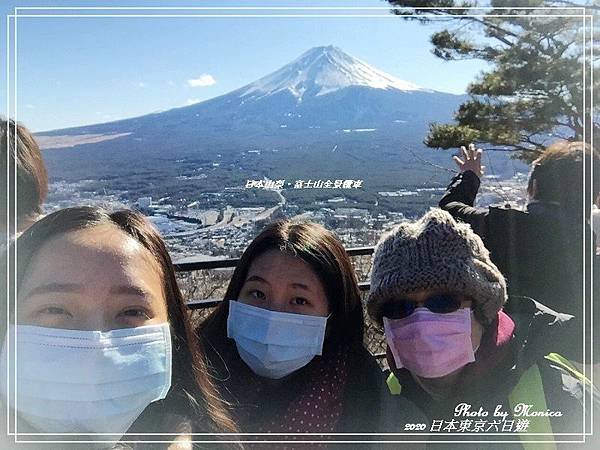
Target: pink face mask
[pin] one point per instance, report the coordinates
(431, 345)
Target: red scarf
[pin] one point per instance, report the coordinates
(318, 406)
(495, 346)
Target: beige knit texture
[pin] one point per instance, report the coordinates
(435, 253)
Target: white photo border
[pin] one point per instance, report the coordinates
(582, 12)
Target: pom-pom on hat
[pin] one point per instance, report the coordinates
(439, 254)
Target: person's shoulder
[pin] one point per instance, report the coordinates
(567, 389)
(533, 319)
(399, 409)
(162, 418)
(506, 217)
(526, 308)
(508, 211)
(519, 218)
(539, 330)
(542, 344)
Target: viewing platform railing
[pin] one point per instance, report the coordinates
(225, 263)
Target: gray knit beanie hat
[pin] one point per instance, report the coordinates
(435, 253)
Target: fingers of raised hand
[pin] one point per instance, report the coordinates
(459, 162)
(465, 153)
(473, 152)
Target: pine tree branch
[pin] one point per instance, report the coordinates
(522, 148)
(458, 15)
(532, 90)
(537, 146)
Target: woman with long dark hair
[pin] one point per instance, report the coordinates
(102, 334)
(287, 341)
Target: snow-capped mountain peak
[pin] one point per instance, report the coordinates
(322, 70)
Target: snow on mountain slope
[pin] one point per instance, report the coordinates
(320, 71)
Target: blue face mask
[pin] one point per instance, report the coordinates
(73, 381)
(274, 344)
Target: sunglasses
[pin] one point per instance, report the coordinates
(437, 303)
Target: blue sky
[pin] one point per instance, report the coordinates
(76, 71)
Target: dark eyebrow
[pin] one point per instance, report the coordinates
(256, 278)
(262, 280)
(53, 288)
(68, 288)
(129, 290)
(301, 286)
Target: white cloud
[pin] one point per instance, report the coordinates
(141, 84)
(203, 80)
(192, 101)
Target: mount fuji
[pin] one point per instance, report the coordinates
(323, 89)
(326, 114)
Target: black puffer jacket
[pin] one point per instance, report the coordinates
(540, 251)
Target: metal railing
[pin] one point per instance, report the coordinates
(226, 263)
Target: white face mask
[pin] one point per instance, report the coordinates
(274, 344)
(73, 381)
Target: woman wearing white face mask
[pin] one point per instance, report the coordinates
(102, 340)
(288, 339)
(456, 353)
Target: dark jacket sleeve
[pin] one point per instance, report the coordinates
(460, 198)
